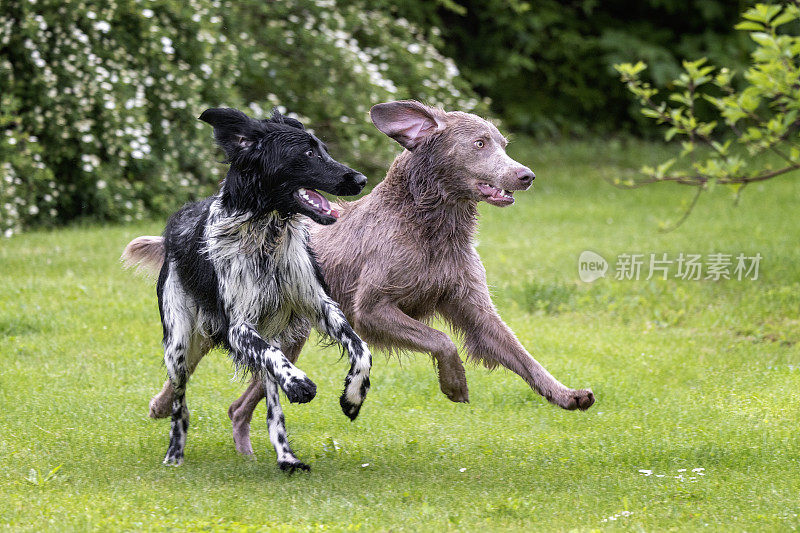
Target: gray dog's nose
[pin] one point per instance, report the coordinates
(525, 175)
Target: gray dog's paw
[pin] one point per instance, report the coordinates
(453, 382)
(160, 407)
(577, 399)
(455, 391)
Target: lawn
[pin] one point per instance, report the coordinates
(688, 375)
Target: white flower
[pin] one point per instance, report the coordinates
(147, 13)
(646, 472)
(33, 210)
(101, 184)
(365, 465)
(462, 469)
(102, 26)
(8, 233)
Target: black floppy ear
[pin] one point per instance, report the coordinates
(232, 129)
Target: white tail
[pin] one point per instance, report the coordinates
(146, 253)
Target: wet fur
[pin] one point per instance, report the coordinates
(238, 273)
(405, 253)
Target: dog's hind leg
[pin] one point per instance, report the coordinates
(253, 352)
(241, 410)
(177, 322)
(356, 384)
(161, 404)
(276, 425)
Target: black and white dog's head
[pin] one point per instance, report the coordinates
(276, 165)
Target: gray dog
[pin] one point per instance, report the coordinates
(404, 253)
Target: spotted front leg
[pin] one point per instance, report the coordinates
(356, 384)
(262, 358)
(276, 425)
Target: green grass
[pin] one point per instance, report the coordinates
(688, 374)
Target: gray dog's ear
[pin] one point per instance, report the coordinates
(407, 121)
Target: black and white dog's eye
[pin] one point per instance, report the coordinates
(479, 144)
(310, 153)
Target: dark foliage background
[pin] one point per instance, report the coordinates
(547, 65)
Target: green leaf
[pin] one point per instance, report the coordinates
(762, 38)
(651, 113)
(671, 133)
(784, 18)
(749, 26)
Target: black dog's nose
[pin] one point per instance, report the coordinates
(525, 175)
(358, 178)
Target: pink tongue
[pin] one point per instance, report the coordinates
(488, 190)
(318, 199)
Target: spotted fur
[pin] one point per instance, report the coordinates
(238, 272)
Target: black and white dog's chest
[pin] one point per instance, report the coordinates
(270, 280)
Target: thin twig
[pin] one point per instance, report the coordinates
(685, 214)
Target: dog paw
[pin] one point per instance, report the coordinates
(456, 391)
(349, 408)
(577, 399)
(453, 379)
(300, 390)
(160, 407)
(292, 466)
(173, 457)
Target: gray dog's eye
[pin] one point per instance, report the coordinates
(310, 153)
(478, 144)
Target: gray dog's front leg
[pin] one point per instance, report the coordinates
(489, 339)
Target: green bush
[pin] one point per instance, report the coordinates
(99, 99)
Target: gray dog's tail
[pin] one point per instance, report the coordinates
(146, 253)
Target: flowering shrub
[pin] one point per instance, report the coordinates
(99, 99)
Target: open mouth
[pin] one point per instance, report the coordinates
(316, 202)
(495, 196)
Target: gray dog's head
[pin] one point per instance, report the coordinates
(468, 152)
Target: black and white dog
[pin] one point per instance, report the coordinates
(239, 272)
